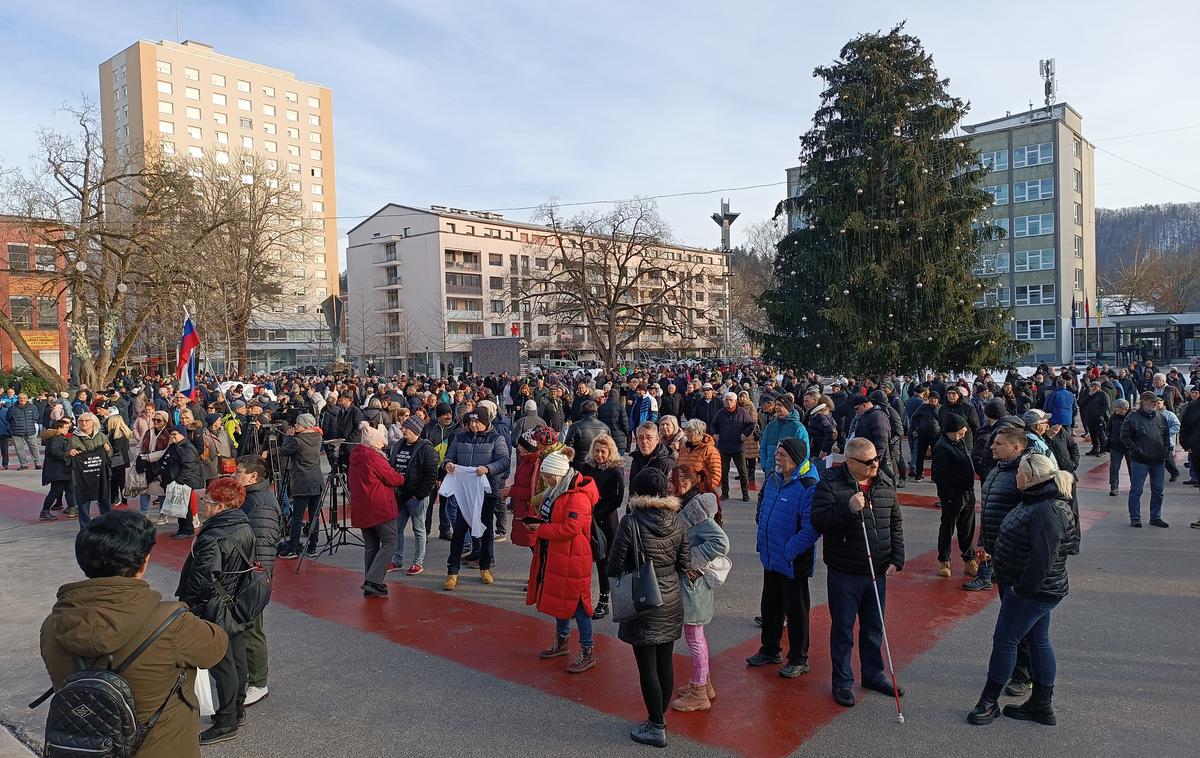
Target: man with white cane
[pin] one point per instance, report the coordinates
(856, 511)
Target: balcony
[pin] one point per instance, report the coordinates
(464, 315)
(465, 289)
(474, 268)
(388, 284)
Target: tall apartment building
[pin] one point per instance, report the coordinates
(423, 283)
(194, 101)
(1043, 184)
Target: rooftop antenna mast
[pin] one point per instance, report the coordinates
(1046, 69)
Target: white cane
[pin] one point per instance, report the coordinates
(883, 626)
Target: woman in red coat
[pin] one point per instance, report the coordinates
(373, 482)
(521, 490)
(560, 577)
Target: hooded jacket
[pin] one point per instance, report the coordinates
(1034, 542)
(706, 541)
(372, 483)
(560, 575)
(96, 618)
(776, 430)
(875, 426)
(664, 543)
(842, 528)
(786, 535)
(56, 463)
(952, 470)
(303, 451)
(521, 494)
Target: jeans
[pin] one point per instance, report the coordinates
(850, 598)
(1137, 480)
(562, 627)
(379, 542)
(462, 531)
(56, 494)
(958, 515)
(85, 508)
(27, 446)
(304, 506)
(1019, 620)
(144, 504)
(783, 597)
(449, 515)
(739, 462)
(412, 510)
(1114, 467)
(230, 677)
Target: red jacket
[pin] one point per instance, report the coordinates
(560, 575)
(521, 493)
(373, 485)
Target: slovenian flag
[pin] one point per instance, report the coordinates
(1074, 311)
(1087, 313)
(189, 356)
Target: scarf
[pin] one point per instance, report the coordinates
(550, 495)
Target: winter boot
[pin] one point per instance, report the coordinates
(559, 648)
(986, 710)
(649, 733)
(944, 569)
(450, 583)
(486, 576)
(1036, 708)
(585, 661)
(695, 699)
(971, 567)
(601, 609)
(712, 694)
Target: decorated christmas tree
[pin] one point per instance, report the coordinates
(879, 275)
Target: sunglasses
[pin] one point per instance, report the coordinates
(869, 462)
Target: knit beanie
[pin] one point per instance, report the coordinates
(650, 482)
(490, 406)
(415, 425)
(995, 409)
(796, 449)
(555, 464)
(955, 422)
(530, 405)
(373, 436)
(442, 409)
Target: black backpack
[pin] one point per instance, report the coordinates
(94, 714)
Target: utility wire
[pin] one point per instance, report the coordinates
(1148, 170)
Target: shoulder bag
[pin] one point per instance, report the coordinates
(635, 590)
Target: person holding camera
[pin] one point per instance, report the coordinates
(301, 448)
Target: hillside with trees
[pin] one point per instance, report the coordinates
(1149, 254)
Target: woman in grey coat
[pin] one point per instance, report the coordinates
(709, 566)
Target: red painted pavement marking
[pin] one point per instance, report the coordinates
(756, 713)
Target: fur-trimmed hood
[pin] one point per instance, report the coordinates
(650, 502)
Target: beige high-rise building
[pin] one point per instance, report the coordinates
(196, 102)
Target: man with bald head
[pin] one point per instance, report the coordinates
(856, 494)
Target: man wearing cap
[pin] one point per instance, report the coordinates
(301, 448)
(1037, 423)
(784, 424)
(481, 449)
(873, 425)
(1094, 409)
(416, 459)
(1145, 437)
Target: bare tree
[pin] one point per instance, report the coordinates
(607, 272)
(1134, 282)
(753, 273)
(117, 219)
(363, 333)
(1179, 283)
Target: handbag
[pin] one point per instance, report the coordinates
(177, 501)
(599, 543)
(135, 483)
(226, 465)
(637, 590)
(204, 693)
(234, 610)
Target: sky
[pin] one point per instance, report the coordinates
(505, 104)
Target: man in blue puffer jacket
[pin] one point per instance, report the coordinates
(1060, 404)
(786, 546)
(786, 424)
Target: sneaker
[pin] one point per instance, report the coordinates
(1112, 493)
(181, 536)
(647, 733)
(500, 537)
(254, 694)
(1174, 478)
(393, 566)
(844, 696)
(72, 513)
(413, 570)
(1195, 524)
(215, 734)
(978, 584)
(47, 516)
(793, 670)
(371, 589)
(1136, 524)
(1159, 523)
(311, 552)
(56, 507)
(289, 554)
(760, 659)
(162, 520)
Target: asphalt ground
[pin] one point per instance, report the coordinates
(429, 673)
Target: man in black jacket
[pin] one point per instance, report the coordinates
(414, 457)
(1116, 448)
(1145, 437)
(873, 424)
(955, 478)
(262, 509)
(1094, 409)
(585, 431)
(671, 403)
(612, 414)
(855, 500)
(927, 425)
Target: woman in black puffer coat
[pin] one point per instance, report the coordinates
(605, 467)
(653, 632)
(1031, 567)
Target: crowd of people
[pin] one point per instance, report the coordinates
(622, 477)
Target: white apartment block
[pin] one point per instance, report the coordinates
(424, 283)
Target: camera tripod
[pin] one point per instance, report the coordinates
(334, 517)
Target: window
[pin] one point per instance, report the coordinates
(293, 115)
(270, 146)
(1037, 329)
(291, 97)
(315, 171)
(193, 113)
(272, 164)
(1033, 155)
(317, 189)
(222, 157)
(195, 132)
(191, 74)
(1034, 189)
(269, 128)
(991, 264)
(165, 106)
(293, 150)
(1078, 214)
(18, 257)
(1033, 260)
(163, 67)
(321, 273)
(497, 305)
(165, 88)
(495, 259)
(314, 102)
(995, 297)
(220, 119)
(1029, 226)
(245, 123)
(294, 186)
(219, 99)
(1078, 246)
(542, 263)
(1078, 180)
(994, 161)
(243, 85)
(450, 228)
(1079, 279)
(1077, 148)
(999, 193)
(222, 138)
(45, 256)
(248, 142)
(20, 309)
(455, 327)
(1035, 294)
(318, 206)
(543, 330)
(191, 93)
(47, 313)
(166, 127)
(195, 151)
(314, 155)
(498, 330)
(218, 80)
(496, 282)
(268, 91)
(314, 137)
(268, 109)
(244, 105)
(293, 132)
(168, 148)
(314, 119)
(293, 168)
